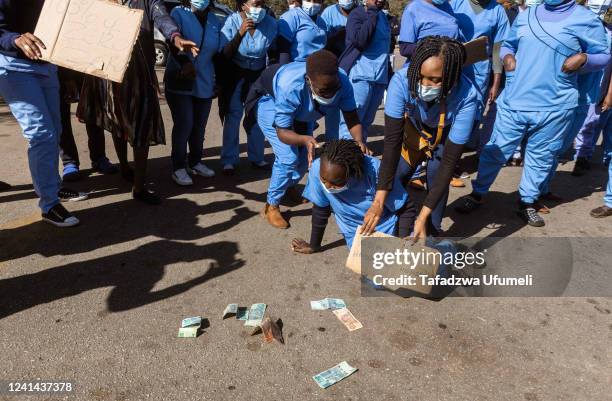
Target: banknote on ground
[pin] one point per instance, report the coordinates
(230, 309)
(256, 315)
(334, 375)
(192, 321)
(327, 303)
(188, 332)
(347, 318)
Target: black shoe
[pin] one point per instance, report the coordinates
(468, 204)
(5, 186)
(601, 211)
(69, 195)
(530, 215)
(265, 166)
(147, 197)
(127, 174)
(581, 167)
(60, 217)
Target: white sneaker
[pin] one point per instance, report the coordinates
(181, 177)
(201, 169)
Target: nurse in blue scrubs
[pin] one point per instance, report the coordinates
(429, 114)
(301, 94)
(486, 18)
(299, 34)
(247, 36)
(366, 60)
(422, 18)
(343, 182)
(547, 47)
(333, 21)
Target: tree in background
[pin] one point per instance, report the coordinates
(280, 6)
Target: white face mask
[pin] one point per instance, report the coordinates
(533, 3)
(428, 93)
(323, 101)
(334, 190)
(257, 14)
(599, 7)
(346, 4)
(311, 8)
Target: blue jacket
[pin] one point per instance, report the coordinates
(17, 17)
(360, 28)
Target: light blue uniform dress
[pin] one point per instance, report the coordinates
(331, 21)
(251, 55)
(304, 35)
(461, 108)
(421, 19)
(293, 102)
(32, 92)
(350, 206)
(492, 23)
(370, 76)
(539, 99)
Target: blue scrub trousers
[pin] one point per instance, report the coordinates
(230, 152)
(545, 131)
(369, 97)
(290, 162)
(608, 155)
(405, 173)
(595, 122)
(34, 101)
(568, 140)
(189, 114)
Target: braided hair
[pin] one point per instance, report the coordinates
(345, 153)
(453, 56)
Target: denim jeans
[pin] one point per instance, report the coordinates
(189, 115)
(33, 98)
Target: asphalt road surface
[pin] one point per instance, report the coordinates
(100, 304)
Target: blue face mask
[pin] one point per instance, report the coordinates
(346, 4)
(553, 2)
(200, 4)
(428, 93)
(439, 2)
(334, 190)
(311, 8)
(257, 14)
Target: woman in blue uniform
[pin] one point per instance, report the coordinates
(301, 93)
(422, 18)
(429, 114)
(248, 35)
(333, 21)
(366, 60)
(190, 106)
(343, 181)
(486, 18)
(299, 34)
(546, 48)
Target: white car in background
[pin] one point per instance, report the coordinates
(161, 47)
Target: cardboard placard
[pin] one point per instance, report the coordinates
(95, 37)
(353, 262)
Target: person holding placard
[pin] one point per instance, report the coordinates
(130, 110)
(31, 89)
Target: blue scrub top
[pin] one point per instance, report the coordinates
(373, 63)
(351, 205)
(422, 19)
(253, 50)
(293, 98)
(537, 83)
(491, 22)
(305, 36)
(332, 20)
(461, 106)
(191, 29)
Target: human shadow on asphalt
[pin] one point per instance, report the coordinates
(132, 275)
(122, 222)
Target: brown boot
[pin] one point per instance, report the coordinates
(274, 217)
